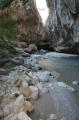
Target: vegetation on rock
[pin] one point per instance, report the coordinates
(4, 3)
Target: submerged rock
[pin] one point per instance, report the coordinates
(62, 84)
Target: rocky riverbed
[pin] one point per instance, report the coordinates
(29, 91)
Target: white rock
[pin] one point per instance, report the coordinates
(43, 76)
(17, 76)
(18, 116)
(34, 92)
(32, 48)
(6, 110)
(19, 104)
(28, 106)
(10, 117)
(23, 116)
(24, 89)
(62, 84)
(75, 83)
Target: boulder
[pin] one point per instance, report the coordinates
(34, 92)
(24, 89)
(43, 76)
(32, 48)
(16, 77)
(28, 106)
(18, 116)
(6, 110)
(22, 105)
(23, 116)
(19, 104)
(75, 83)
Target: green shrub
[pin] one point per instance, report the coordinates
(7, 34)
(5, 3)
(7, 28)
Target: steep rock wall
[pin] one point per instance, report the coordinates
(29, 27)
(63, 25)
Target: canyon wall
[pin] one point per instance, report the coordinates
(63, 25)
(60, 31)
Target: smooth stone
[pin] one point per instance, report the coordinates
(19, 104)
(18, 116)
(75, 83)
(32, 48)
(24, 89)
(28, 106)
(23, 116)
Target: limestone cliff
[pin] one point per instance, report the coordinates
(61, 30)
(63, 25)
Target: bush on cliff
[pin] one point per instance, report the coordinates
(4, 3)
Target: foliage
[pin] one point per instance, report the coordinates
(7, 34)
(5, 3)
(7, 28)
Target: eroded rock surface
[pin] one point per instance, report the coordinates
(63, 25)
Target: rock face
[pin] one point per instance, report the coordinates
(61, 30)
(63, 25)
(27, 19)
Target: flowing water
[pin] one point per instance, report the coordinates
(60, 100)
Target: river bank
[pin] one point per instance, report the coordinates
(32, 82)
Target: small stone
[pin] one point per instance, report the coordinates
(75, 83)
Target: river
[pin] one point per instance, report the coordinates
(66, 69)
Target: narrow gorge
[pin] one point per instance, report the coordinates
(39, 59)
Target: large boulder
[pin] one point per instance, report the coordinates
(24, 89)
(16, 77)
